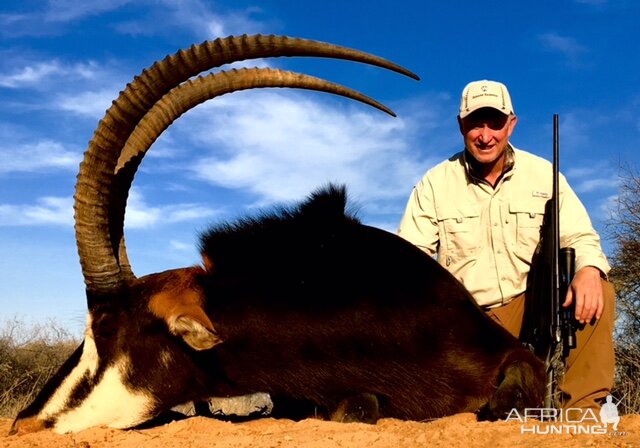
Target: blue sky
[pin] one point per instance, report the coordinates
(62, 62)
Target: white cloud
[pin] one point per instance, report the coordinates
(70, 10)
(197, 16)
(597, 184)
(88, 103)
(282, 146)
(574, 129)
(139, 214)
(592, 176)
(49, 210)
(40, 74)
(37, 156)
(30, 75)
(151, 17)
(609, 207)
(182, 246)
(566, 46)
(56, 85)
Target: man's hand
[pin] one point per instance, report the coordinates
(586, 289)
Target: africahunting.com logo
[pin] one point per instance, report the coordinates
(569, 421)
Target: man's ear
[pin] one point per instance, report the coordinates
(512, 124)
(460, 125)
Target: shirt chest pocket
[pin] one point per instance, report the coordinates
(528, 216)
(459, 227)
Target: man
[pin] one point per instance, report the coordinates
(480, 212)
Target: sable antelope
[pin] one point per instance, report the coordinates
(305, 303)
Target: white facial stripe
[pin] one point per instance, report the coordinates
(88, 363)
(111, 403)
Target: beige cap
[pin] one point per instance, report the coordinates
(484, 93)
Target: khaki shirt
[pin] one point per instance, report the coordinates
(486, 236)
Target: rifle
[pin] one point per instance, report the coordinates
(549, 329)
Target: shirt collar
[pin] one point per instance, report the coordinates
(508, 164)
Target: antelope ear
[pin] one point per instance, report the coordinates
(195, 328)
(179, 304)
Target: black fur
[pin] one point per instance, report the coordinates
(314, 305)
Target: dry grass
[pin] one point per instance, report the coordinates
(29, 356)
(627, 386)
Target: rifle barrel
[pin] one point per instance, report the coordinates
(555, 224)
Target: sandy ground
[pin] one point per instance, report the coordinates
(458, 431)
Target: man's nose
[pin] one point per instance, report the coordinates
(485, 134)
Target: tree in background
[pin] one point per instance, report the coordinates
(624, 229)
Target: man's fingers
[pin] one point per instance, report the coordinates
(592, 306)
(600, 309)
(588, 310)
(579, 308)
(568, 300)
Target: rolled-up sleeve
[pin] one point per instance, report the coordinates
(419, 224)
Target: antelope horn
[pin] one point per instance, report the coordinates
(196, 91)
(100, 196)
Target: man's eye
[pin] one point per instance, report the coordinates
(475, 125)
(495, 125)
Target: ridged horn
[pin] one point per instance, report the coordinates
(196, 91)
(100, 195)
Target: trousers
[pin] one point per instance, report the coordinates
(589, 373)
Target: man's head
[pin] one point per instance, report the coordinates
(486, 121)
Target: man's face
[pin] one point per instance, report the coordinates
(486, 134)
